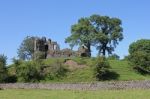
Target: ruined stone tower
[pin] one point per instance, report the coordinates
(44, 48)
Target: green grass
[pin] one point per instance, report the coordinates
(126, 71)
(66, 94)
(122, 68)
(86, 74)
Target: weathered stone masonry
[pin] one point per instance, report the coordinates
(51, 49)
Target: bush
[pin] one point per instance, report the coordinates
(141, 61)
(140, 55)
(39, 55)
(55, 70)
(34, 71)
(3, 70)
(11, 79)
(27, 72)
(102, 68)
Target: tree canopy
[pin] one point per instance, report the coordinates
(107, 33)
(140, 55)
(140, 45)
(102, 32)
(26, 49)
(81, 34)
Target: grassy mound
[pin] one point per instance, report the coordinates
(121, 70)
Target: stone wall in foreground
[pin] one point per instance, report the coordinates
(81, 86)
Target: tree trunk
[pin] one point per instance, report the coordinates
(104, 50)
(89, 49)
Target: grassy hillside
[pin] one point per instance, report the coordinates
(66, 94)
(125, 71)
(122, 68)
(121, 71)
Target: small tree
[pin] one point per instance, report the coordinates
(26, 49)
(102, 68)
(3, 71)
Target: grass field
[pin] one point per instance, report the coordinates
(60, 94)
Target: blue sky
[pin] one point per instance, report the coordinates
(53, 18)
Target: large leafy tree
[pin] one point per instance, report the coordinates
(81, 34)
(107, 33)
(102, 32)
(26, 49)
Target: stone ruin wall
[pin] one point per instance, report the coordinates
(52, 49)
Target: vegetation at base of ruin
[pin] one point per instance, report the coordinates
(52, 70)
(34, 71)
(74, 94)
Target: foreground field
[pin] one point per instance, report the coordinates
(60, 94)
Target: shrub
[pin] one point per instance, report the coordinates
(39, 55)
(16, 64)
(141, 61)
(34, 71)
(140, 55)
(27, 72)
(3, 70)
(11, 79)
(102, 68)
(55, 70)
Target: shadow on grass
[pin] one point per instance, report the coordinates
(110, 75)
(142, 71)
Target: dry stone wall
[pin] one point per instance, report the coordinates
(81, 86)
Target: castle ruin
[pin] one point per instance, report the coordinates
(44, 49)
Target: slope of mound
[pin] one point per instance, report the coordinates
(73, 65)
